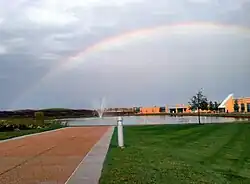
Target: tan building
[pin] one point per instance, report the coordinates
(150, 110)
(228, 105)
(180, 108)
(164, 109)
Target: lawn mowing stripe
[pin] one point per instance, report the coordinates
(205, 130)
(217, 142)
(236, 131)
(161, 128)
(200, 147)
(245, 154)
(129, 167)
(182, 134)
(229, 156)
(152, 156)
(204, 140)
(201, 136)
(162, 135)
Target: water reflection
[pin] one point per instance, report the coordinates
(150, 120)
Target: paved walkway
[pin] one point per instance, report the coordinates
(48, 158)
(90, 169)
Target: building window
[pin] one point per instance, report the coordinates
(242, 107)
(162, 109)
(180, 110)
(236, 106)
(222, 110)
(248, 107)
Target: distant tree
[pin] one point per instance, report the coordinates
(204, 105)
(216, 106)
(236, 106)
(198, 102)
(211, 106)
(39, 116)
(242, 107)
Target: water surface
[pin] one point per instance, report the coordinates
(148, 120)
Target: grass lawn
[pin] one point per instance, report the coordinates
(176, 154)
(11, 134)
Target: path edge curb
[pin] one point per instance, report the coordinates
(32, 134)
(92, 176)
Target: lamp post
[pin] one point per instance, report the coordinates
(199, 104)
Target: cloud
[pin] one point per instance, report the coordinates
(38, 36)
(201, 1)
(2, 50)
(49, 18)
(54, 20)
(166, 70)
(49, 56)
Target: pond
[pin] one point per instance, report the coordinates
(149, 120)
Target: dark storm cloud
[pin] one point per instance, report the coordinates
(18, 73)
(166, 70)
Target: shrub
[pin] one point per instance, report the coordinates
(39, 117)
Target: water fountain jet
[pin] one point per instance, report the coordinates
(101, 109)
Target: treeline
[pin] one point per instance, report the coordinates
(213, 106)
(49, 113)
(200, 101)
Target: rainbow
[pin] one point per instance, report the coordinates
(142, 34)
(136, 36)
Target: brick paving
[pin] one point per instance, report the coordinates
(48, 158)
(90, 169)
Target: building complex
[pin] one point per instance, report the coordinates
(228, 105)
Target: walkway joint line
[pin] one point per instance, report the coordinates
(90, 168)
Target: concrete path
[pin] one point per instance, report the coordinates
(48, 158)
(90, 168)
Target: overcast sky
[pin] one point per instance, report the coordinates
(210, 49)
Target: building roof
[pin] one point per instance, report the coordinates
(242, 98)
(223, 104)
(178, 107)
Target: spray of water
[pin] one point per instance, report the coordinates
(101, 109)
